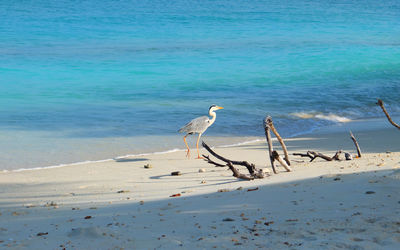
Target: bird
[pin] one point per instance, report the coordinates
(198, 126)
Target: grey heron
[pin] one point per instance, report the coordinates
(198, 126)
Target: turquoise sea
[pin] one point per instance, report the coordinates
(92, 80)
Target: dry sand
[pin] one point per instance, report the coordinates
(120, 204)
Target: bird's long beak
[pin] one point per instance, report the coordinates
(220, 107)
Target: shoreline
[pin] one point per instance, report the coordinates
(361, 125)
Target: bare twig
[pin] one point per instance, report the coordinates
(336, 156)
(237, 174)
(269, 141)
(268, 120)
(250, 167)
(281, 161)
(318, 154)
(313, 155)
(305, 155)
(356, 144)
(380, 103)
(206, 157)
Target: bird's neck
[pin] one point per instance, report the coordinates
(213, 115)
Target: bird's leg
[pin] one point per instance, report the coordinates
(187, 146)
(197, 146)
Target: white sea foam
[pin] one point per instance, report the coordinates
(240, 143)
(95, 161)
(57, 166)
(321, 116)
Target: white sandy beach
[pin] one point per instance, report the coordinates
(120, 204)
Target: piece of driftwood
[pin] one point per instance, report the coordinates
(337, 155)
(268, 121)
(235, 172)
(269, 141)
(356, 144)
(250, 167)
(380, 103)
(206, 157)
(308, 154)
(277, 157)
(313, 155)
(254, 172)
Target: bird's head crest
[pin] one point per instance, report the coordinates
(215, 107)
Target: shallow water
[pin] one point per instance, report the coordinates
(89, 80)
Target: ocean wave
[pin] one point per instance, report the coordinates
(321, 116)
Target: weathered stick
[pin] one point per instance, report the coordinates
(356, 144)
(281, 161)
(254, 173)
(305, 155)
(269, 141)
(250, 167)
(318, 154)
(206, 157)
(271, 125)
(313, 155)
(237, 174)
(380, 103)
(336, 156)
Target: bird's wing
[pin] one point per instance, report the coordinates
(197, 125)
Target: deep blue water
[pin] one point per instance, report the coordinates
(81, 70)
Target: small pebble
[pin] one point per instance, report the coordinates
(123, 191)
(268, 223)
(223, 190)
(148, 165)
(202, 170)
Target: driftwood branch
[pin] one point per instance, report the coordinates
(237, 174)
(336, 156)
(250, 167)
(206, 157)
(269, 141)
(308, 154)
(254, 173)
(318, 154)
(356, 144)
(313, 155)
(277, 157)
(380, 103)
(270, 124)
